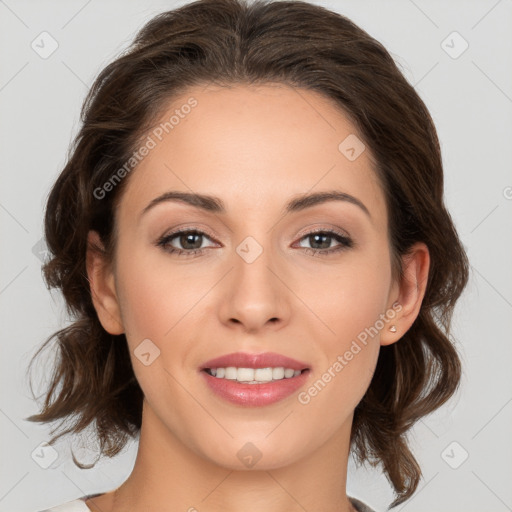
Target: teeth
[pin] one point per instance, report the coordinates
(254, 375)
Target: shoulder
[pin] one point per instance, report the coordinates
(359, 505)
(77, 505)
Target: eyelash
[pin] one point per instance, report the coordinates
(345, 242)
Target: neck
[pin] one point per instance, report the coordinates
(168, 476)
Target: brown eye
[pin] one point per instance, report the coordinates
(189, 242)
(321, 241)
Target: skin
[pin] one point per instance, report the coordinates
(255, 148)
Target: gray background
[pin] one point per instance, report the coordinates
(470, 99)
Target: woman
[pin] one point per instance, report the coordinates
(251, 234)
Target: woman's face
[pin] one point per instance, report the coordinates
(250, 282)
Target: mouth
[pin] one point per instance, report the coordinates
(254, 375)
(254, 393)
(254, 380)
(247, 361)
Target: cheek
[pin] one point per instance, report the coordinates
(155, 296)
(350, 349)
(351, 299)
(143, 307)
(351, 306)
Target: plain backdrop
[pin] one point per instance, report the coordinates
(457, 54)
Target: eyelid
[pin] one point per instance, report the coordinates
(186, 228)
(322, 228)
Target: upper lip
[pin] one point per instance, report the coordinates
(246, 360)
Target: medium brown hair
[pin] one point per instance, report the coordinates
(231, 42)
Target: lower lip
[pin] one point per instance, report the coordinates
(255, 395)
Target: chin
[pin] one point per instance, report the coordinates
(252, 453)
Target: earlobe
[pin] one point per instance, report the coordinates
(411, 291)
(102, 286)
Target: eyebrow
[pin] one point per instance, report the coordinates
(216, 205)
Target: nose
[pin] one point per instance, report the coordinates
(255, 296)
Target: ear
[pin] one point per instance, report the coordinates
(102, 285)
(408, 293)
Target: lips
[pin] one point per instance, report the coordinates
(254, 395)
(246, 360)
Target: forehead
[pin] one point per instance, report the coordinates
(255, 147)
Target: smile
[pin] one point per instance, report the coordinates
(253, 375)
(254, 393)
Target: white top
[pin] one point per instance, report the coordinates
(79, 505)
(71, 506)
